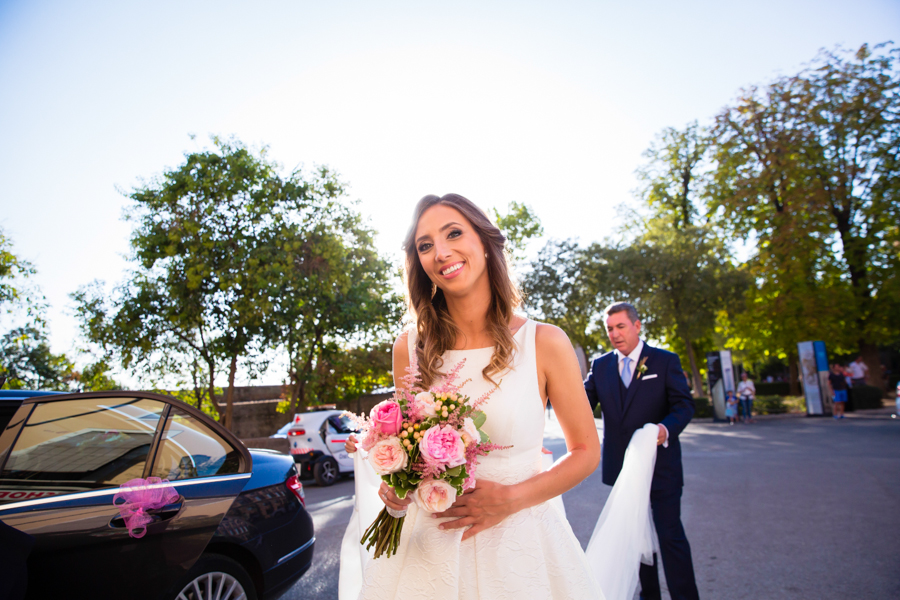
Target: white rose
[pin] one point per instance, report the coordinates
(388, 456)
(434, 495)
(425, 403)
(470, 430)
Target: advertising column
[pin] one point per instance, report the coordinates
(814, 376)
(720, 378)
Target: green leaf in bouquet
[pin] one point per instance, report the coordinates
(479, 418)
(484, 437)
(401, 492)
(455, 471)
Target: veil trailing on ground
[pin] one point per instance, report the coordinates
(366, 506)
(623, 537)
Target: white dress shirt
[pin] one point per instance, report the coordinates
(635, 356)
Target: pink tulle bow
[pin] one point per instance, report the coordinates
(140, 495)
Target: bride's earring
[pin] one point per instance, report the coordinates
(485, 254)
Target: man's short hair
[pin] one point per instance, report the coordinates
(617, 307)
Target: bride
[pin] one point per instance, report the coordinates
(504, 538)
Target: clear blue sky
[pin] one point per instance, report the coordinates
(547, 103)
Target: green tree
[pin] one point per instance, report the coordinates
(568, 286)
(673, 173)
(681, 280)
(17, 296)
(27, 362)
(231, 261)
(333, 294)
(520, 224)
(95, 377)
(680, 273)
(808, 166)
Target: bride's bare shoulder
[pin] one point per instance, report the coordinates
(401, 344)
(550, 337)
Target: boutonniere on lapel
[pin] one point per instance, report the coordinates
(642, 368)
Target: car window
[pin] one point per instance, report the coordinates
(85, 443)
(342, 424)
(190, 449)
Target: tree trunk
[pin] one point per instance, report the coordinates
(229, 395)
(212, 389)
(695, 370)
(793, 368)
(872, 360)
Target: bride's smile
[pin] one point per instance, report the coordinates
(451, 252)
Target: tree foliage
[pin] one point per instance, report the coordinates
(27, 362)
(519, 224)
(230, 259)
(808, 166)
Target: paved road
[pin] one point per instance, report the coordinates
(789, 507)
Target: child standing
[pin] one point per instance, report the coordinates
(731, 407)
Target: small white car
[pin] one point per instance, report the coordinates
(317, 444)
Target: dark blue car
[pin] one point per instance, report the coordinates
(235, 527)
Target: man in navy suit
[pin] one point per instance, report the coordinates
(635, 385)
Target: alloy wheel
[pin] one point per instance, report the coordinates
(213, 586)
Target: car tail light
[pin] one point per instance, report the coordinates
(297, 432)
(293, 483)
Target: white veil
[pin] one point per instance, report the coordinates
(366, 506)
(624, 535)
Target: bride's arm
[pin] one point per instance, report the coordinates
(559, 378)
(400, 354)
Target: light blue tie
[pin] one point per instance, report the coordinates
(626, 371)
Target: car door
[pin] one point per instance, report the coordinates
(63, 460)
(337, 428)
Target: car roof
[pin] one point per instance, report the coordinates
(22, 394)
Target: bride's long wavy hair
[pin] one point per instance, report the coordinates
(427, 305)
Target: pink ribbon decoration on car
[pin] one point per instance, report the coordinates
(140, 495)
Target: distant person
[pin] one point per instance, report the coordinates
(845, 369)
(747, 393)
(838, 384)
(731, 407)
(858, 370)
(897, 400)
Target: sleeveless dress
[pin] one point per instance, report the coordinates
(530, 554)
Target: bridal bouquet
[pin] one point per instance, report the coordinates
(423, 442)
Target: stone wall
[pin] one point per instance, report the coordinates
(257, 417)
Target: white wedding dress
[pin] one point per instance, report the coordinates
(532, 553)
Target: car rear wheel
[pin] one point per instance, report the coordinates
(326, 471)
(216, 577)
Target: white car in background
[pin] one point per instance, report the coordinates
(316, 441)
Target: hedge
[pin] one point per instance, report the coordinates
(864, 396)
(776, 388)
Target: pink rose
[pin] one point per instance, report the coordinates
(387, 417)
(388, 456)
(434, 495)
(443, 445)
(470, 431)
(425, 403)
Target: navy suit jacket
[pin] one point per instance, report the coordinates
(665, 398)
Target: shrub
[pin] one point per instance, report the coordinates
(864, 396)
(776, 388)
(702, 408)
(769, 405)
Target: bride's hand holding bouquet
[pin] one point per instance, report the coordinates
(425, 446)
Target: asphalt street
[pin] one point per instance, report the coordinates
(788, 507)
